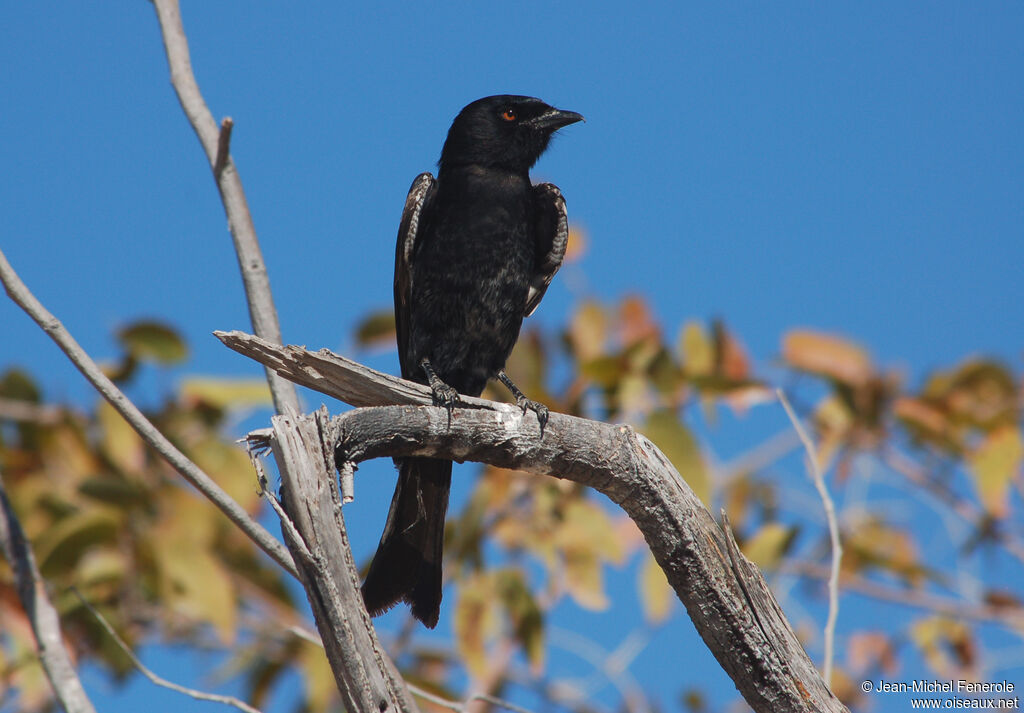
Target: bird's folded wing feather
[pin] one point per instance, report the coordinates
(551, 229)
(419, 194)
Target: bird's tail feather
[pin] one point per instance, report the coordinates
(407, 565)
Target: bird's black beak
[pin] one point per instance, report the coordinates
(555, 119)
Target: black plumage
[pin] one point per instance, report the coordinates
(477, 248)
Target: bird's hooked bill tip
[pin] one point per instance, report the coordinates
(557, 118)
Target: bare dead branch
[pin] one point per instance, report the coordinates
(814, 467)
(315, 532)
(29, 412)
(1008, 616)
(215, 143)
(725, 594)
(21, 295)
(40, 612)
(157, 680)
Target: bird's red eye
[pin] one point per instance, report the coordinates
(508, 115)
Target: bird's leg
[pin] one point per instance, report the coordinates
(444, 395)
(524, 403)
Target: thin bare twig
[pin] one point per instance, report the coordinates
(243, 231)
(21, 295)
(460, 707)
(159, 681)
(1010, 617)
(29, 412)
(814, 465)
(40, 611)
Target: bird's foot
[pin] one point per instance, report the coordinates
(526, 404)
(443, 394)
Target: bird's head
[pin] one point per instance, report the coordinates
(504, 131)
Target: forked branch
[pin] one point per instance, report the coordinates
(725, 594)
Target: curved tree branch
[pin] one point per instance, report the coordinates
(216, 142)
(40, 612)
(21, 295)
(726, 595)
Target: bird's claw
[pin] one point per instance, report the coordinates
(444, 395)
(537, 407)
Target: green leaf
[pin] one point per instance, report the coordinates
(154, 342)
(376, 329)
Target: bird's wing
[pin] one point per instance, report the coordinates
(419, 194)
(551, 232)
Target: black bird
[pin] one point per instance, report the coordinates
(477, 248)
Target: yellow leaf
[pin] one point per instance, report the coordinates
(769, 544)
(59, 547)
(655, 593)
(588, 331)
(196, 584)
(677, 443)
(192, 578)
(697, 350)
(226, 393)
(584, 581)
(994, 465)
(119, 441)
(827, 355)
(230, 466)
(476, 621)
(586, 527)
(947, 646)
(321, 689)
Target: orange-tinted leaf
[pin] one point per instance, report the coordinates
(636, 322)
(921, 415)
(733, 363)
(827, 355)
(577, 246)
(871, 650)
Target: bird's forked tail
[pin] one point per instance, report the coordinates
(407, 565)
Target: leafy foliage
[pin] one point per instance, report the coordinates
(107, 517)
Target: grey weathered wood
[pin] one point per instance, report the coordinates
(725, 594)
(365, 676)
(41, 614)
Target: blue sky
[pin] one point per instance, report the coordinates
(852, 167)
